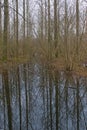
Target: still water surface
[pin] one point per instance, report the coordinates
(33, 97)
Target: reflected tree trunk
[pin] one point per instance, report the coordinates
(57, 100)
(74, 107)
(77, 97)
(4, 105)
(43, 93)
(50, 93)
(19, 89)
(47, 103)
(8, 100)
(66, 101)
(26, 94)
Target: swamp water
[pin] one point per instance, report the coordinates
(35, 98)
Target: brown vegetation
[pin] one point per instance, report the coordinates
(58, 39)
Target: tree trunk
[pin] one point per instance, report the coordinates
(5, 35)
(66, 36)
(49, 36)
(77, 25)
(23, 18)
(23, 26)
(45, 19)
(14, 20)
(27, 10)
(55, 26)
(17, 34)
(86, 21)
(41, 19)
(0, 20)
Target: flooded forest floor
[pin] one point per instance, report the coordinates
(39, 53)
(57, 64)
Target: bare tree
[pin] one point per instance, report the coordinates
(29, 20)
(42, 19)
(77, 26)
(24, 19)
(0, 19)
(17, 34)
(27, 13)
(66, 34)
(45, 19)
(86, 20)
(55, 26)
(5, 35)
(14, 19)
(49, 33)
(23, 26)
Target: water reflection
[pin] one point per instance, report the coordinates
(35, 98)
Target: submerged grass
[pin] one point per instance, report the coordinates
(14, 62)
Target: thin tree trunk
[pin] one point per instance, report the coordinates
(77, 26)
(23, 26)
(14, 20)
(0, 20)
(5, 35)
(55, 27)
(57, 100)
(26, 90)
(66, 36)
(17, 34)
(50, 92)
(86, 21)
(77, 96)
(41, 20)
(66, 102)
(49, 34)
(24, 19)
(20, 109)
(27, 10)
(45, 19)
